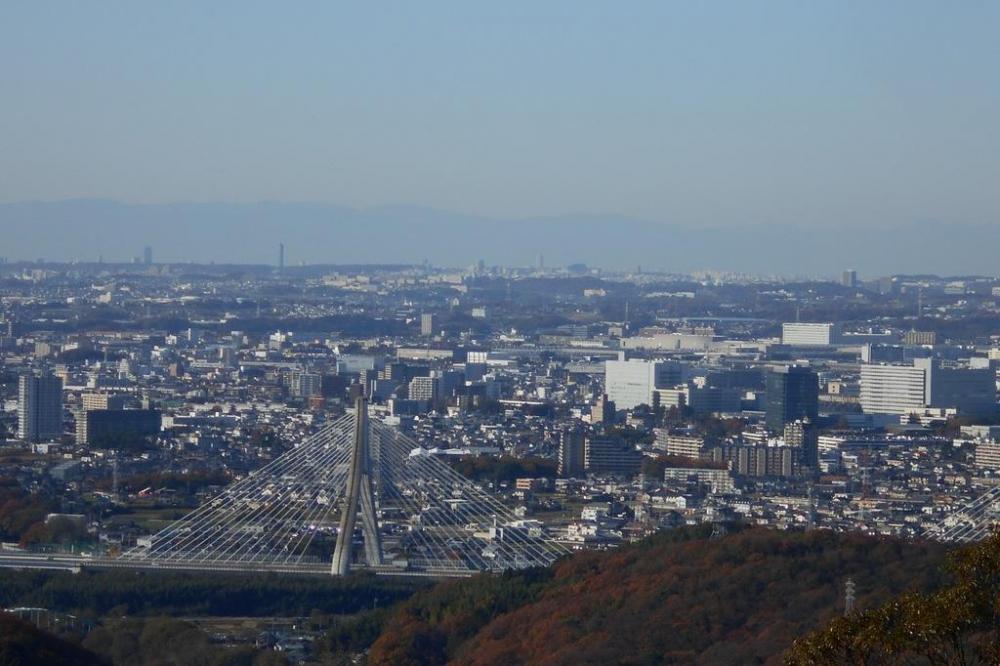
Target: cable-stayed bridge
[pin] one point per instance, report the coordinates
(972, 521)
(357, 494)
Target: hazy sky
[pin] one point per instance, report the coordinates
(701, 113)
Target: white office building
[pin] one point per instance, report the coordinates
(630, 383)
(901, 389)
(810, 334)
(892, 389)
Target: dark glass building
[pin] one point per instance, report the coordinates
(792, 394)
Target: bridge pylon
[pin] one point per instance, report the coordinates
(359, 495)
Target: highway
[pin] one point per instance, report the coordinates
(76, 563)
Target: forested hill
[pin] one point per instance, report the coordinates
(24, 645)
(676, 598)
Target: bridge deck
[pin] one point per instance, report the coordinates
(75, 563)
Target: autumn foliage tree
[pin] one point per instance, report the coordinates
(956, 625)
(678, 597)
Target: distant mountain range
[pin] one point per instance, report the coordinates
(86, 229)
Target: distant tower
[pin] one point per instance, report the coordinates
(426, 324)
(147, 255)
(849, 278)
(541, 261)
(281, 257)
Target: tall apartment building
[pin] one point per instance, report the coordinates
(306, 384)
(716, 480)
(810, 334)
(426, 325)
(571, 454)
(903, 389)
(988, 455)
(611, 455)
(804, 436)
(792, 394)
(674, 444)
(630, 383)
(102, 400)
(424, 388)
(759, 460)
(39, 407)
(603, 411)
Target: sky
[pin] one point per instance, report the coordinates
(705, 114)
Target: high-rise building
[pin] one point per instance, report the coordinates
(98, 427)
(603, 411)
(892, 389)
(424, 388)
(426, 325)
(849, 278)
(904, 389)
(988, 455)
(792, 394)
(804, 435)
(306, 384)
(973, 392)
(39, 407)
(610, 455)
(630, 383)
(571, 454)
(102, 400)
(678, 444)
(147, 255)
(758, 460)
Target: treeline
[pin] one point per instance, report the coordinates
(676, 597)
(654, 467)
(163, 640)
(20, 510)
(97, 593)
(504, 468)
(190, 482)
(21, 644)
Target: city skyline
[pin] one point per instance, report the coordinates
(512, 333)
(86, 230)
